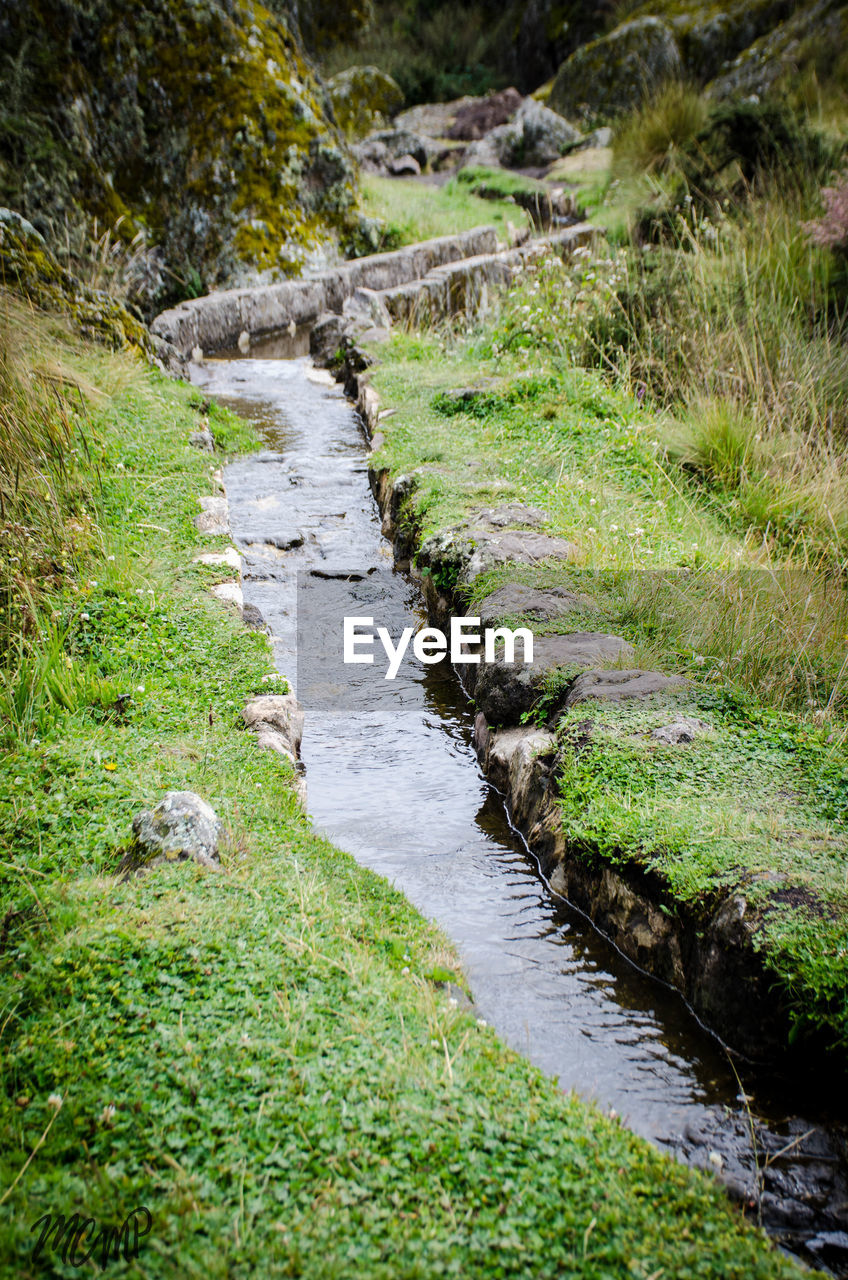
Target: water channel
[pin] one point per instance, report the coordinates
(392, 777)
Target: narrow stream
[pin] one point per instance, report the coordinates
(393, 778)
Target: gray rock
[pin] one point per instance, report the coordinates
(508, 515)
(618, 71)
(168, 358)
(214, 518)
(515, 600)
(202, 440)
(597, 138)
(365, 308)
(684, 729)
(518, 545)
(535, 136)
(181, 828)
(277, 721)
(379, 150)
(504, 692)
(461, 554)
(405, 166)
(618, 686)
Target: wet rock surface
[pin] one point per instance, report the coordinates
(791, 1177)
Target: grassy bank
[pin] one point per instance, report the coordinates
(675, 402)
(757, 806)
(261, 1056)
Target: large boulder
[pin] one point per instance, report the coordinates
(181, 828)
(198, 124)
(363, 99)
(535, 137)
(617, 72)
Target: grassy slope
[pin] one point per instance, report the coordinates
(415, 210)
(766, 792)
(260, 1056)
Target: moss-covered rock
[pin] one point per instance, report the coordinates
(363, 99)
(29, 267)
(617, 72)
(200, 120)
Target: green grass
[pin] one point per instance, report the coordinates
(415, 211)
(767, 791)
(261, 1056)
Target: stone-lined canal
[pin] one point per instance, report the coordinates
(393, 778)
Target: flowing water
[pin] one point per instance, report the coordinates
(393, 778)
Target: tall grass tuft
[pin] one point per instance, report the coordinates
(652, 139)
(43, 510)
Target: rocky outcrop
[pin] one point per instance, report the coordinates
(740, 48)
(617, 72)
(199, 124)
(534, 137)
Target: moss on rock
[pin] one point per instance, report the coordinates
(363, 99)
(199, 119)
(29, 267)
(617, 72)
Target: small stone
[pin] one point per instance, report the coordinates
(244, 342)
(197, 355)
(202, 440)
(229, 593)
(181, 828)
(214, 517)
(684, 729)
(277, 720)
(229, 559)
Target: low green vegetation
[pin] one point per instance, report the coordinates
(412, 210)
(261, 1056)
(758, 806)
